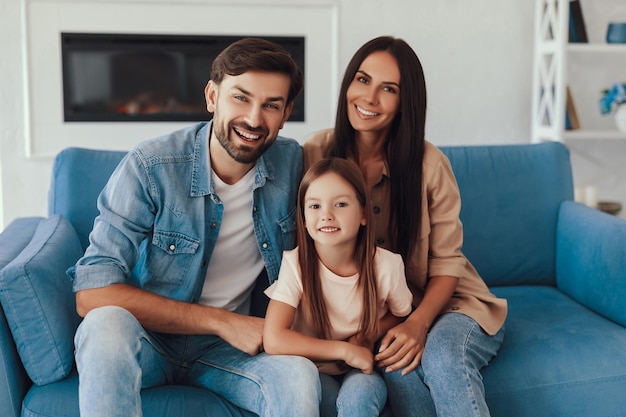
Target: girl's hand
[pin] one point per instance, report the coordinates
(359, 357)
(402, 347)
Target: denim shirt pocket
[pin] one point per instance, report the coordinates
(288, 228)
(171, 256)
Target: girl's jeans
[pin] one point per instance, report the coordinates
(355, 395)
(448, 381)
(116, 358)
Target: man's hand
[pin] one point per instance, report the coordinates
(243, 332)
(165, 315)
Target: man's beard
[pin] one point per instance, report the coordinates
(242, 154)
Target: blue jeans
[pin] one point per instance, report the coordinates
(116, 358)
(355, 395)
(448, 381)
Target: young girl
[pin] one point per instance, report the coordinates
(336, 293)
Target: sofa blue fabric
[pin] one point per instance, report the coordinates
(13, 379)
(78, 176)
(559, 264)
(558, 358)
(510, 198)
(38, 301)
(171, 401)
(591, 260)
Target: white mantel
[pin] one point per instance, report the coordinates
(47, 19)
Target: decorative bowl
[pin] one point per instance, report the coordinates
(616, 33)
(610, 207)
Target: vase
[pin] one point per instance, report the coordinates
(620, 117)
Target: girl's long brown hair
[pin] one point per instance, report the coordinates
(405, 143)
(313, 302)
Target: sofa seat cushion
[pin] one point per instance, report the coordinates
(558, 358)
(60, 399)
(38, 301)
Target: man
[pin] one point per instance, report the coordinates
(187, 223)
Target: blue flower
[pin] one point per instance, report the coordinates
(615, 96)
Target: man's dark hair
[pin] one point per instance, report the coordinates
(255, 54)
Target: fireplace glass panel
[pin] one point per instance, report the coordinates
(116, 77)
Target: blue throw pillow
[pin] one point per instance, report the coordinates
(37, 298)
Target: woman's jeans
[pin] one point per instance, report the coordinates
(448, 381)
(116, 358)
(355, 395)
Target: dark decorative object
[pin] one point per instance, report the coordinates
(610, 207)
(577, 29)
(616, 33)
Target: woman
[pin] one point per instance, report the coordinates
(432, 360)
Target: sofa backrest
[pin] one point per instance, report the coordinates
(78, 176)
(510, 198)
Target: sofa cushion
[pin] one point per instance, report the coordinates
(38, 301)
(14, 381)
(558, 358)
(510, 198)
(60, 399)
(78, 176)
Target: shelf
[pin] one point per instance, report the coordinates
(555, 61)
(597, 47)
(587, 134)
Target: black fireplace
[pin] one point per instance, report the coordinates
(128, 77)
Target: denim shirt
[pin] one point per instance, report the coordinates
(160, 217)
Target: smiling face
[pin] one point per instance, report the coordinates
(373, 96)
(248, 112)
(332, 212)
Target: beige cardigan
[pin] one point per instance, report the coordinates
(439, 249)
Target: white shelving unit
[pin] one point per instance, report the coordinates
(550, 75)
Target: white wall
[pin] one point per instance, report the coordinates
(477, 56)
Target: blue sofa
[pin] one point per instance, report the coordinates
(560, 265)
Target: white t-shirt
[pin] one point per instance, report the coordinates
(236, 261)
(344, 301)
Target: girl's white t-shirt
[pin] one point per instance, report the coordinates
(344, 301)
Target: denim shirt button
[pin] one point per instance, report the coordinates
(213, 225)
(172, 247)
(265, 245)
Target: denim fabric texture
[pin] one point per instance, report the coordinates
(130, 358)
(160, 217)
(354, 394)
(456, 350)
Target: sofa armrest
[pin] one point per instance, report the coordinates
(591, 259)
(13, 379)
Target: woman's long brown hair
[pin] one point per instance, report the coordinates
(313, 302)
(405, 143)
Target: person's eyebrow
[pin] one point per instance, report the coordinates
(384, 82)
(249, 94)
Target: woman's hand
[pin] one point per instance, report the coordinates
(402, 347)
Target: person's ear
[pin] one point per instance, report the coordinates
(210, 95)
(287, 113)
